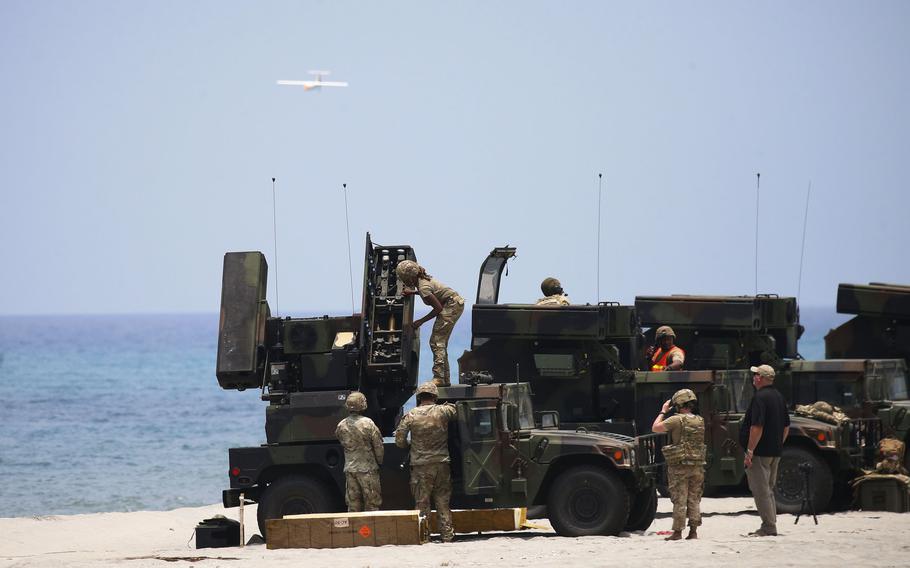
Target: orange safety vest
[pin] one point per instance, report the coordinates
(660, 359)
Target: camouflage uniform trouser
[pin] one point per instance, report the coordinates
(686, 485)
(434, 481)
(439, 339)
(362, 491)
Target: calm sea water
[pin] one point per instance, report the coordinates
(123, 413)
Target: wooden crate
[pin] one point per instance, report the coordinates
(342, 530)
(484, 520)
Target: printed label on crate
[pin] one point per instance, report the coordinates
(342, 523)
(365, 531)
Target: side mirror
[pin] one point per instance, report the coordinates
(549, 420)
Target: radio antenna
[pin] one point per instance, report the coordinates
(600, 180)
(757, 185)
(802, 253)
(347, 224)
(275, 236)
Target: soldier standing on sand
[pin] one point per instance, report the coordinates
(685, 457)
(553, 294)
(431, 476)
(363, 453)
(447, 308)
(667, 356)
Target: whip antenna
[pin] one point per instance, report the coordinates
(599, 191)
(757, 185)
(275, 236)
(347, 224)
(802, 253)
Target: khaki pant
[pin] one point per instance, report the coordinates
(433, 482)
(762, 478)
(686, 484)
(439, 339)
(362, 491)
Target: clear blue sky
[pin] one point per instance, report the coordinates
(138, 139)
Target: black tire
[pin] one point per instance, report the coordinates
(588, 500)
(294, 495)
(663, 490)
(643, 511)
(790, 487)
(537, 512)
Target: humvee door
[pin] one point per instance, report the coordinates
(481, 458)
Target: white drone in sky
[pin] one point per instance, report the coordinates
(308, 85)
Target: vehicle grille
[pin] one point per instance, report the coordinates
(861, 438)
(649, 455)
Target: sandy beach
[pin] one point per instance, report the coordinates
(152, 538)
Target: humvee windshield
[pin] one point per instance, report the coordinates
(897, 387)
(520, 395)
(741, 390)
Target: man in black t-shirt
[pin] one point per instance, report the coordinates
(762, 434)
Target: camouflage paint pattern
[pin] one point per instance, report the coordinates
(362, 491)
(431, 484)
(439, 339)
(428, 426)
(686, 484)
(362, 443)
(554, 300)
(881, 327)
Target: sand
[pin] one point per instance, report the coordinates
(150, 538)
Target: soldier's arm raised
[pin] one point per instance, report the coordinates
(450, 411)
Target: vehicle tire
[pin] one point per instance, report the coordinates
(790, 487)
(537, 512)
(588, 500)
(294, 495)
(643, 510)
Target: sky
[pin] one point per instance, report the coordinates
(138, 141)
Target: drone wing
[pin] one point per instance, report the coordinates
(304, 84)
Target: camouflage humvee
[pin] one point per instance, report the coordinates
(583, 361)
(872, 392)
(306, 367)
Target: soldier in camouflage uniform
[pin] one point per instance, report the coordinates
(685, 457)
(447, 308)
(431, 477)
(553, 294)
(363, 452)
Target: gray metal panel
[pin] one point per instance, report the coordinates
(243, 313)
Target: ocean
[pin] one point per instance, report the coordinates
(124, 413)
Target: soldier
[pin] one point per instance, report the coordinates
(431, 477)
(666, 356)
(363, 453)
(685, 457)
(553, 294)
(447, 308)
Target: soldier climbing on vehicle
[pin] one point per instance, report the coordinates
(363, 452)
(447, 307)
(431, 476)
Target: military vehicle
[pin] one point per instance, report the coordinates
(880, 328)
(872, 392)
(583, 361)
(306, 367)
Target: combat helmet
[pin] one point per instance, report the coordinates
(682, 396)
(408, 270)
(665, 330)
(550, 286)
(356, 402)
(429, 388)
